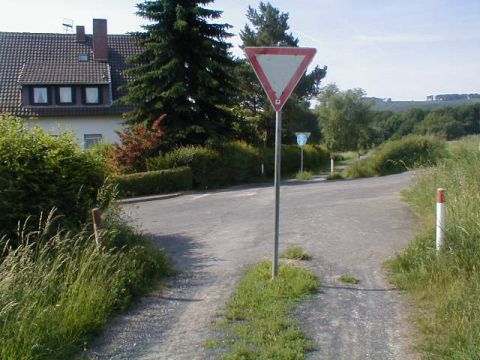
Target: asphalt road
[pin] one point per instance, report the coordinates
(349, 227)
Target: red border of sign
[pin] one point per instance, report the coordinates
(252, 53)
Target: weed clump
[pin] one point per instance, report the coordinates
(296, 253)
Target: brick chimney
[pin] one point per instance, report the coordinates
(81, 34)
(100, 42)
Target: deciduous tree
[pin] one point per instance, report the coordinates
(345, 119)
(268, 26)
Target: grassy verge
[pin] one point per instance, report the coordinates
(447, 287)
(258, 321)
(399, 155)
(58, 289)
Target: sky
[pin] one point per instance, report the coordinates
(399, 49)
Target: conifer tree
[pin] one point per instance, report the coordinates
(183, 71)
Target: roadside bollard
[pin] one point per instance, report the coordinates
(332, 165)
(97, 225)
(440, 235)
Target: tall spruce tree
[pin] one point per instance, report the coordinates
(269, 27)
(183, 71)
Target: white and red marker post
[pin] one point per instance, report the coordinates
(279, 70)
(440, 233)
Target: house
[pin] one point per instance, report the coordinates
(66, 81)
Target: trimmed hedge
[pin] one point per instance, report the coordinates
(236, 162)
(314, 157)
(399, 155)
(154, 182)
(203, 162)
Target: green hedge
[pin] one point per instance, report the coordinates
(154, 182)
(39, 171)
(313, 158)
(399, 155)
(235, 162)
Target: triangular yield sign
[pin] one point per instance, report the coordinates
(279, 69)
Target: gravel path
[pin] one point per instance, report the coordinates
(350, 227)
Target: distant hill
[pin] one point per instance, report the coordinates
(397, 106)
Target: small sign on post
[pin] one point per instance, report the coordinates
(302, 138)
(279, 70)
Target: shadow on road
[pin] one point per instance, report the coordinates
(184, 252)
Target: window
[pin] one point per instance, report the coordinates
(90, 140)
(92, 95)
(40, 95)
(65, 95)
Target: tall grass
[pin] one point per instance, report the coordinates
(447, 287)
(399, 155)
(57, 289)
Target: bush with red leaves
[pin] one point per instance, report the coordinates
(138, 142)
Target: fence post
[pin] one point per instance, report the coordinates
(440, 233)
(97, 225)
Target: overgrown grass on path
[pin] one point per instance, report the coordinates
(259, 321)
(447, 287)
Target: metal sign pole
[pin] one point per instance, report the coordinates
(301, 160)
(278, 157)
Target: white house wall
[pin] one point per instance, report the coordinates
(81, 126)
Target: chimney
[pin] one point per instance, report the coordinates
(81, 34)
(100, 42)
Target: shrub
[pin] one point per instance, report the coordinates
(239, 162)
(137, 143)
(314, 157)
(220, 165)
(204, 163)
(235, 162)
(39, 171)
(103, 154)
(399, 155)
(154, 182)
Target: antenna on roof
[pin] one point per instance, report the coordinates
(67, 25)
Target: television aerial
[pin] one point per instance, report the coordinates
(67, 25)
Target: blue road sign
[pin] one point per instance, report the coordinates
(301, 139)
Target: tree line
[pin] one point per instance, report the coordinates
(186, 75)
(348, 122)
(189, 87)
